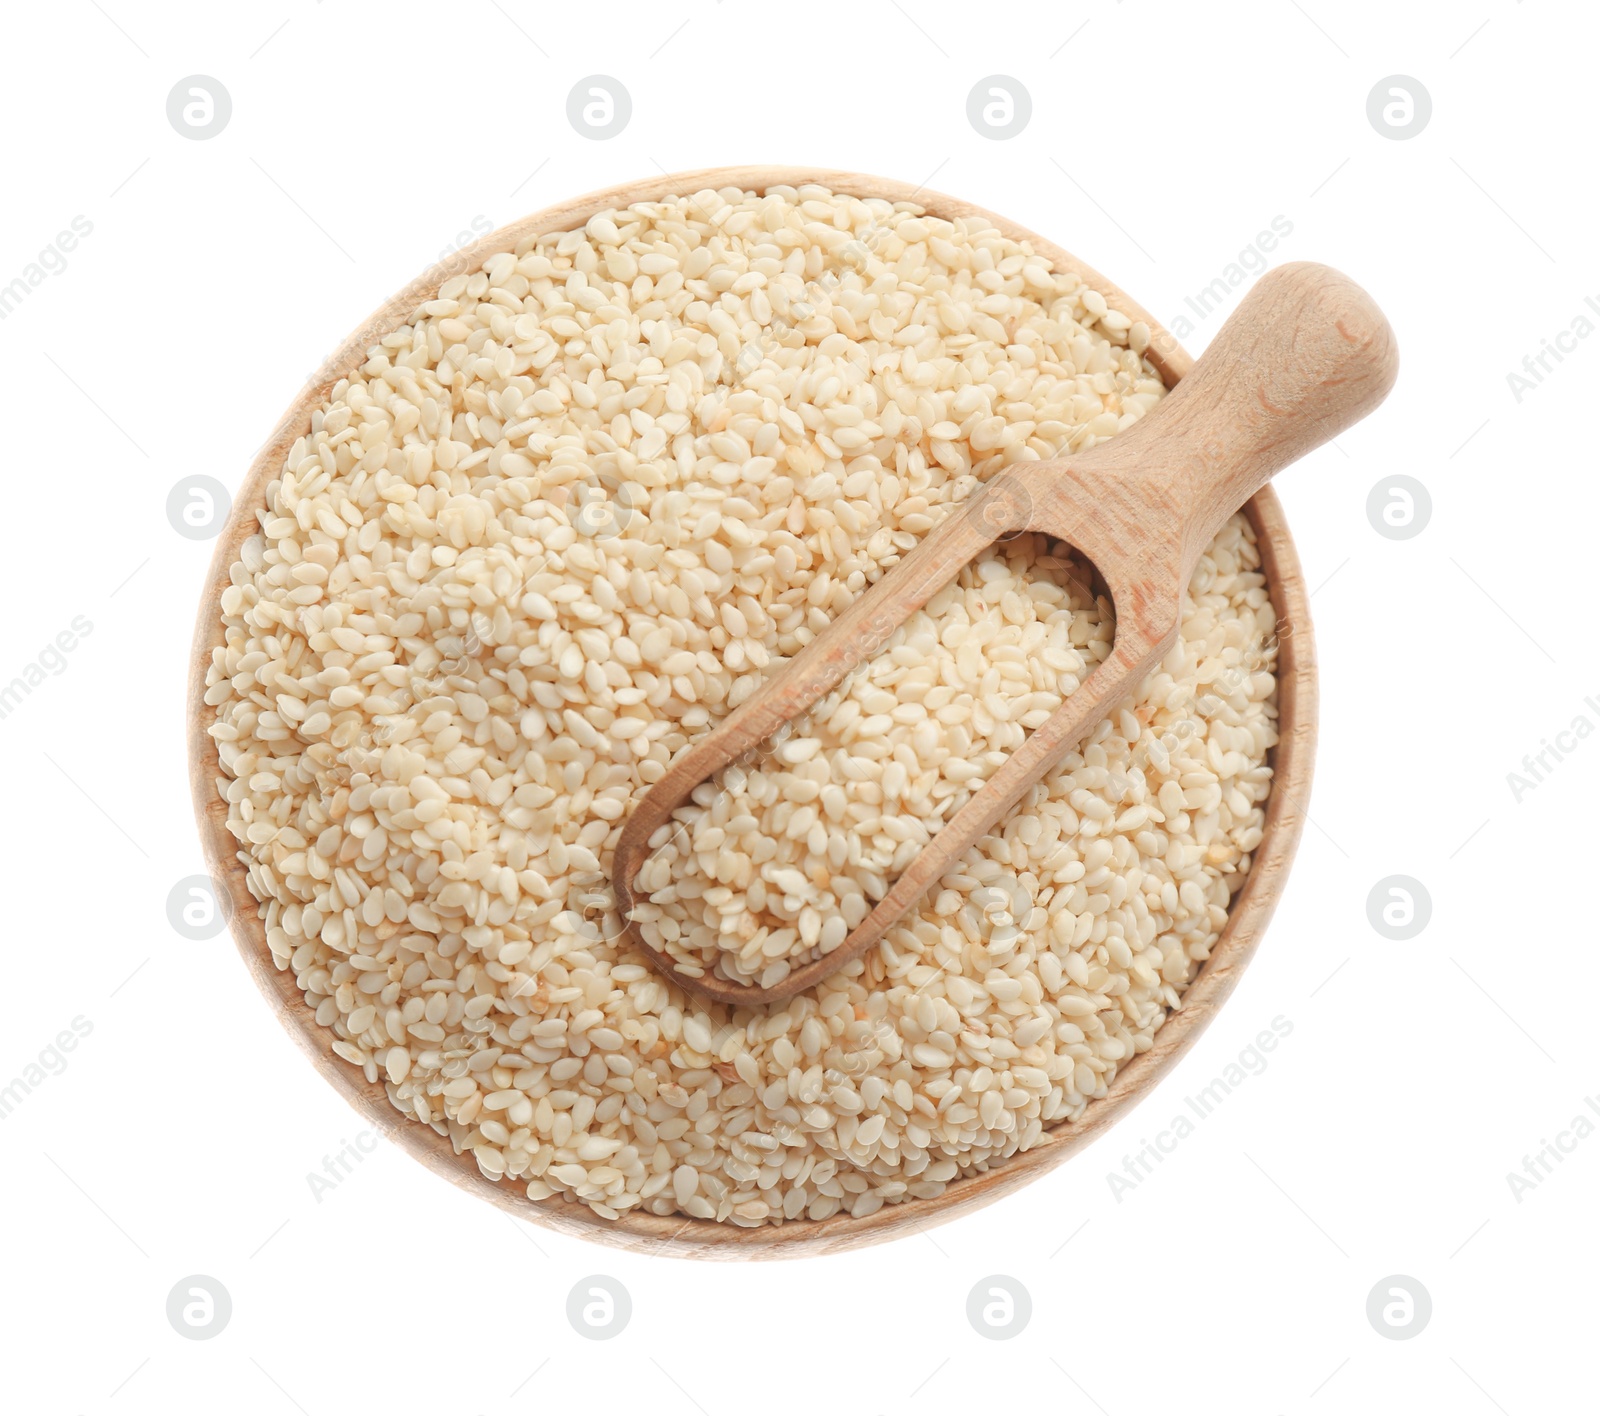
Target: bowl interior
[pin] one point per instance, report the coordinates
(1252, 907)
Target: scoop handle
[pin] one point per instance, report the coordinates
(1306, 354)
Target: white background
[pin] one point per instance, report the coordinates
(363, 139)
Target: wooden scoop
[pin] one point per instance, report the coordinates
(1306, 354)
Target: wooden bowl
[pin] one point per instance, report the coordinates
(699, 1238)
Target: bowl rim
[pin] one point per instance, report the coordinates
(678, 1235)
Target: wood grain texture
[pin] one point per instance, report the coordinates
(694, 1238)
(1305, 355)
